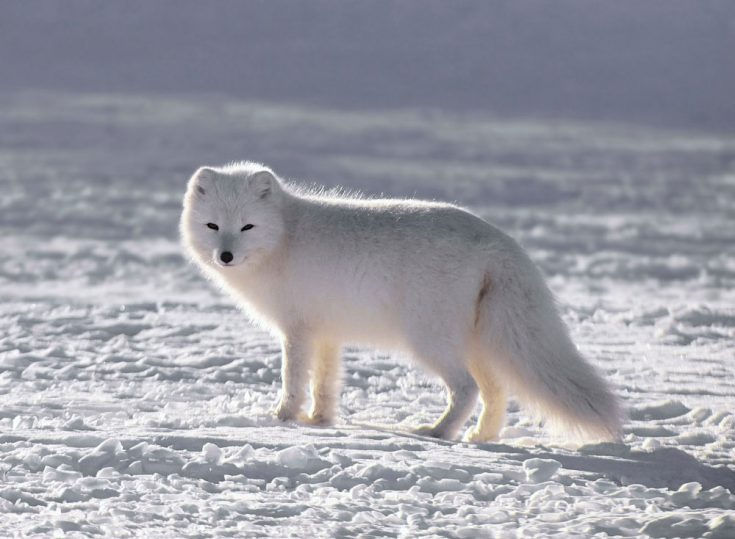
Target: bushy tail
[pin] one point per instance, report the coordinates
(532, 352)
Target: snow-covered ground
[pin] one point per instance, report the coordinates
(134, 398)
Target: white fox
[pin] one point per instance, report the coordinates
(427, 278)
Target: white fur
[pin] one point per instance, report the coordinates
(431, 279)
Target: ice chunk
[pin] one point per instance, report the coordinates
(540, 470)
(103, 455)
(209, 471)
(76, 423)
(696, 438)
(686, 493)
(434, 486)
(722, 527)
(660, 410)
(302, 458)
(65, 476)
(376, 470)
(135, 468)
(675, 525)
(67, 526)
(211, 453)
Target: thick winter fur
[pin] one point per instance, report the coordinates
(430, 279)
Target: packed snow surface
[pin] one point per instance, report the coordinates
(135, 398)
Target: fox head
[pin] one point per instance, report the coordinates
(232, 215)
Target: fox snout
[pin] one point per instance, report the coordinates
(223, 257)
(224, 254)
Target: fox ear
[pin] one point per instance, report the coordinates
(201, 177)
(263, 183)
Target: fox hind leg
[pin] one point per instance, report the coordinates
(461, 399)
(494, 400)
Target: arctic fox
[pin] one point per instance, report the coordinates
(430, 279)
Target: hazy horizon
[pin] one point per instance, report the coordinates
(656, 62)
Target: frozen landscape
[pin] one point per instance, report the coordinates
(135, 397)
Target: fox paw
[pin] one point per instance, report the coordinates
(316, 419)
(283, 412)
(475, 436)
(429, 430)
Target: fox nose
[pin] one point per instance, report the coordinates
(226, 257)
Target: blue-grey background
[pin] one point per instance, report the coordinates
(654, 61)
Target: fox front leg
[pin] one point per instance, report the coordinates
(325, 385)
(295, 363)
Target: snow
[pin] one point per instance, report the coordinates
(135, 399)
(540, 470)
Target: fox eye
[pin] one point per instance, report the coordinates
(212, 226)
(246, 227)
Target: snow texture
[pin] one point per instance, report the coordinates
(135, 398)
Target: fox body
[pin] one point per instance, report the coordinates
(430, 279)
